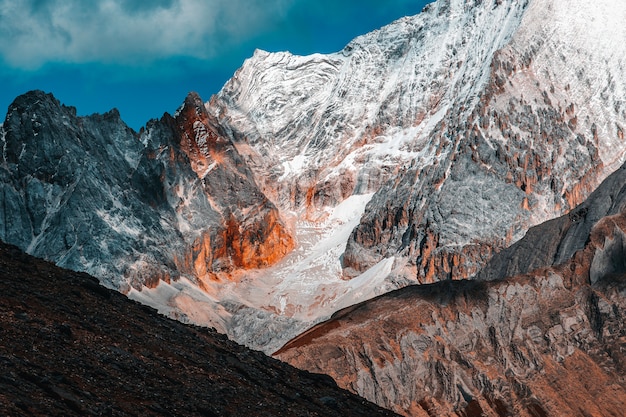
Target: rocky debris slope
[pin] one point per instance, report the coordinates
(71, 347)
(548, 342)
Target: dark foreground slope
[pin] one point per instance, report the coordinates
(71, 347)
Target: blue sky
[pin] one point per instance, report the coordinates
(143, 56)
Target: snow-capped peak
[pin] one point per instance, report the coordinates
(309, 119)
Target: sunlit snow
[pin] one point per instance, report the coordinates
(372, 110)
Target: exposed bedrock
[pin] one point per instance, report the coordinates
(544, 335)
(132, 208)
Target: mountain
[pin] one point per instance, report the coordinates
(173, 204)
(460, 128)
(469, 122)
(71, 347)
(311, 183)
(543, 336)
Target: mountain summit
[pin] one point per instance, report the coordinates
(309, 184)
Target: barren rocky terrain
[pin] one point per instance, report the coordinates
(541, 332)
(70, 347)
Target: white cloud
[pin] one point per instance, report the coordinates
(36, 32)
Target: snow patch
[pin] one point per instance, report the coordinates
(293, 167)
(184, 301)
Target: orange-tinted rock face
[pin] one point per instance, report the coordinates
(199, 138)
(251, 233)
(237, 246)
(257, 247)
(576, 194)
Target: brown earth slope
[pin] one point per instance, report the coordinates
(69, 347)
(549, 340)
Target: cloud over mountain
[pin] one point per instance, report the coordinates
(36, 32)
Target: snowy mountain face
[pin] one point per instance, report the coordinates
(466, 125)
(546, 129)
(312, 183)
(323, 127)
(471, 121)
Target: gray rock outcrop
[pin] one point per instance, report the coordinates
(131, 208)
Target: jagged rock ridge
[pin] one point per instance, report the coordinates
(549, 342)
(136, 210)
(252, 234)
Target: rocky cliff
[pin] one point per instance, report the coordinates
(250, 233)
(175, 201)
(470, 123)
(310, 183)
(543, 336)
(71, 347)
(532, 144)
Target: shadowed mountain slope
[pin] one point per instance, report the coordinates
(70, 347)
